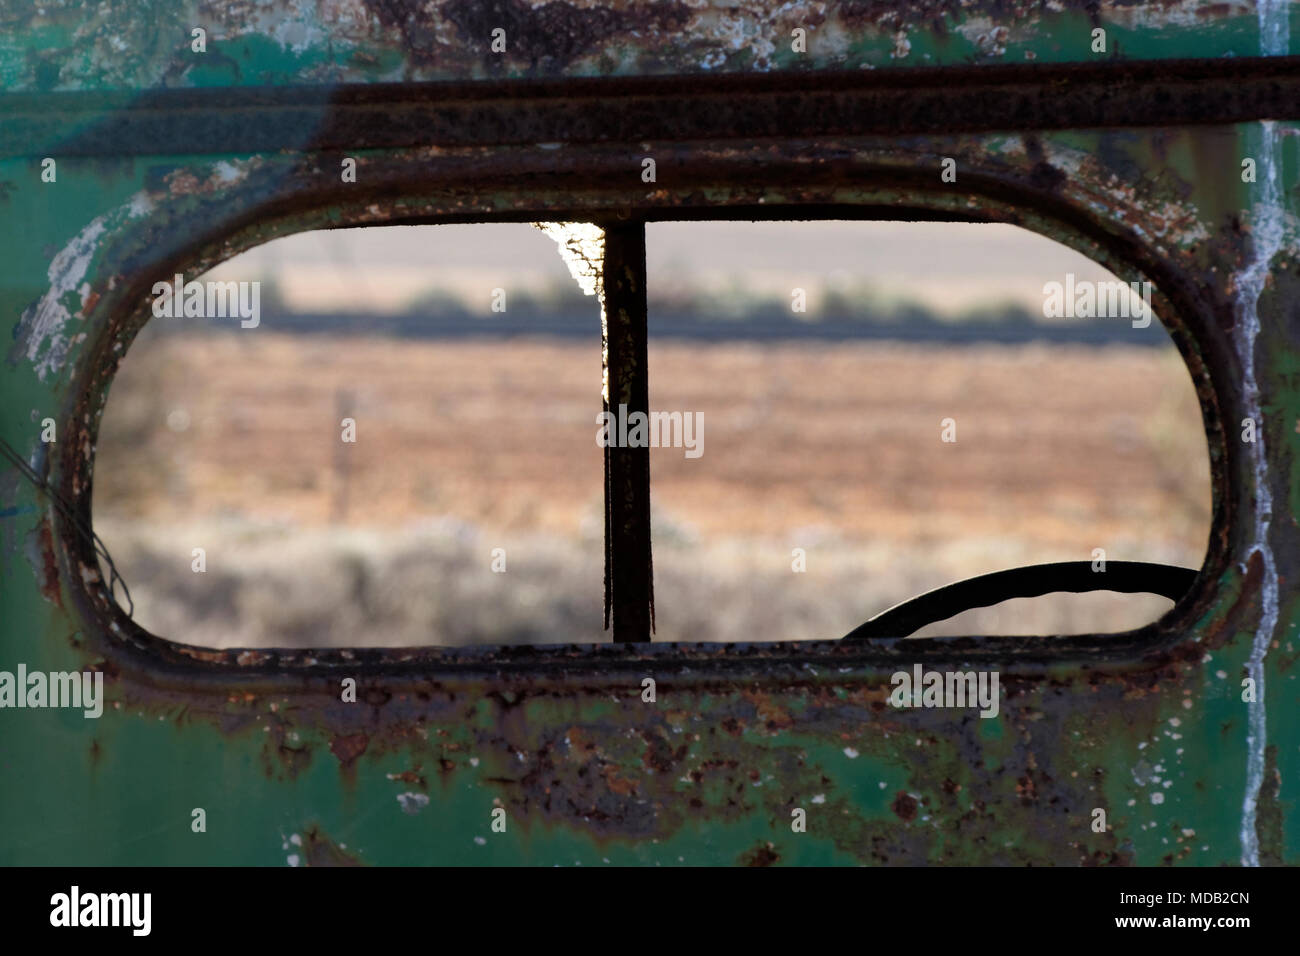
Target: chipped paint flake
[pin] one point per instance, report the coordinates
(412, 803)
(43, 334)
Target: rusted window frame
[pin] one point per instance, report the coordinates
(788, 108)
(630, 588)
(629, 572)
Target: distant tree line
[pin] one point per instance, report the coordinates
(841, 314)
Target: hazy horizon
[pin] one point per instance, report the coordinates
(948, 268)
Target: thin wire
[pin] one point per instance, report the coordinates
(69, 514)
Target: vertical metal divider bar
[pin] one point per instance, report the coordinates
(629, 570)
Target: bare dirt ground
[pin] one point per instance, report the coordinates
(232, 443)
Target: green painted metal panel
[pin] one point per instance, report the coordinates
(1150, 726)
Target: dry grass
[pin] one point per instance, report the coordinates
(467, 446)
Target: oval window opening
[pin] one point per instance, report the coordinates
(403, 448)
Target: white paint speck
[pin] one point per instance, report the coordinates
(412, 802)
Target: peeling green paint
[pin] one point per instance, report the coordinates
(272, 42)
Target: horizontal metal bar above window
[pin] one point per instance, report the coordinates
(649, 109)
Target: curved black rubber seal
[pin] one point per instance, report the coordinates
(1128, 577)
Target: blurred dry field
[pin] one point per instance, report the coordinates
(231, 442)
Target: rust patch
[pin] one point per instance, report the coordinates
(1247, 600)
(1027, 789)
(552, 34)
(578, 741)
(660, 756)
(348, 748)
(763, 855)
(904, 806)
(1270, 819)
(773, 715)
(49, 564)
(410, 777)
(733, 726)
(623, 786)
